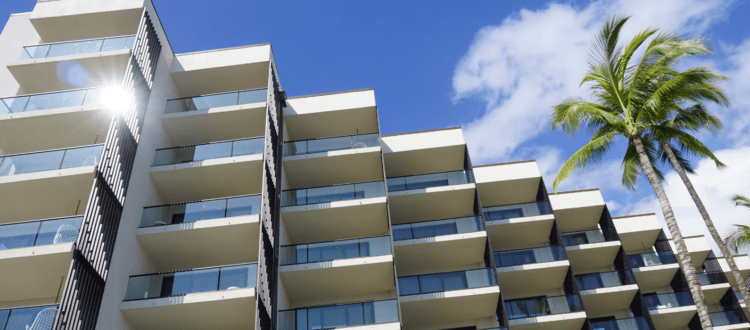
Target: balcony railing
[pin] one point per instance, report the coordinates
(429, 180)
(46, 101)
(651, 259)
(29, 318)
(344, 249)
(711, 278)
(529, 256)
(535, 307)
(668, 300)
(634, 323)
(191, 281)
(213, 150)
(339, 316)
(293, 148)
(727, 318)
(516, 211)
(589, 237)
(430, 283)
(739, 296)
(77, 47)
(332, 193)
(206, 102)
(605, 280)
(203, 210)
(437, 228)
(38, 233)
(50, 160)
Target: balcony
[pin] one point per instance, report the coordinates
(729, 320)
(548, 313)
(638, 231)
(519, 225)
(35, 257)
(448, 297)
(591, 249)
(433, 151)
(431, 196)
(577, 210)
(29, 318)
(59, 21)
(339, 268)
(194, 120)
(209, 170)
(609, 291)
(327, 161)
(509, 183)
(69, 65)
(697, 247)
(670, 310)
(633, 323)
(653, 270)
(43, 121)
(46, 184)
(222, 297)
(538, 270)
(380, 315)
(714, 286)
(335, 212)
(439, 244)
(200, 234)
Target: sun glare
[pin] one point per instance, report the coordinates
(115, 99)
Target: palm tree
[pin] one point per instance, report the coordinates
(739, 238)
(632, 99)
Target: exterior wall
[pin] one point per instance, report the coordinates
(17, 33)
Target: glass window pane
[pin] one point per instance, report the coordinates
(286, 320)
(243, 206)
(386, 311)
(59, 231)
(18, 236)
(366, 140)
(376, 246)
(332, 251)
(214, 101)
(323, 145)
(330, 194)
(29, 163)
(4, 318)
(369, 189)
(55, 100)
(31, 318)
(118, 43)
(396, 184)
(72, 48)
(14, 104)
(247, 147)
(302, 322)
(295, 148)
(426, 181)
(215, 209)
(258, 95)
(235, 277)
(408, 285)
(402, 232)
(81, 157)
(212, 151)
(33, 52)
(195, 281)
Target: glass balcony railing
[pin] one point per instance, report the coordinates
(30, 318)
(213, 150)
(651, 259)
(38, 233)
(711, 278)
(727, 318)
(739, 296)
(535, 307)
(437, 228)
(332, 193)
(294, 148)
(50, 160)
(203, 210)
(516, 211)
(668, 300)
(605, 280)
(206, 102)
(429, 180)
(634, 323)
(430, 283)
(339, 316)
(46, 101)
(344, 249)
(529, 256)
(191, 281)
(77, 47)
(589, 237)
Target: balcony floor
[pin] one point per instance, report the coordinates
(33, 272)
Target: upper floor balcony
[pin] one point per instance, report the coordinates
(439, 244)
(46, 184)
(200, 234)
(637, 232)
(193, 120)
(697, 247)
(371, 315)
(56, 21)
(35, 257)
(330, 115)
(546, 313)
(335, 212)
(577, 210)
(607, 291)
(448, 297)
(43, 121)
(727, 320)
(714, 286)
(336, 269)
(531, 270)
(653, 269)
(591, 249)
(28, 318)
(221, 297)
(72, 64)
(431, 196)
(508, 183)
(433, 151)
(519, 225)
(670, 310)
(209, 170)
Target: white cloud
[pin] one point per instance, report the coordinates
(737, 118)
(535, 59)
(715, 188)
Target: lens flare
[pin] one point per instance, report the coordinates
(115, 99)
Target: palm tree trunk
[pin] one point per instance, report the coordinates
(710, 224)
(685, 263)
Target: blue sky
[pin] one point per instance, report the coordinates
(493, 67)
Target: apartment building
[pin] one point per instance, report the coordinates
(142, 189)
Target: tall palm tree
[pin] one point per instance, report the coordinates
(631, 100)
(739, 238)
